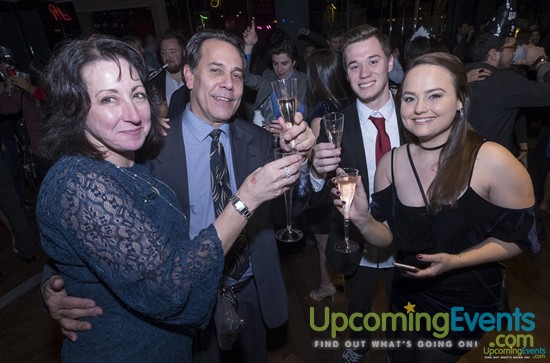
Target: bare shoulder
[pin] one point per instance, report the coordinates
(383, 176)
(500, 178)
(495, 160)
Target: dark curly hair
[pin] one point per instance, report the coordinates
(68, 102)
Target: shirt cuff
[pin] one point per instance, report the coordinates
(317, 184)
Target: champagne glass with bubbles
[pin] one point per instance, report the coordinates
(285, 91)
(334, 125)
(346, 179)
(290, 233)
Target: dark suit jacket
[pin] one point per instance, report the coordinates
(353, 156)
(251, 148)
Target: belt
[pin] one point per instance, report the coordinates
(238, 287)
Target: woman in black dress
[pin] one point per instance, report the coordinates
(453, 204)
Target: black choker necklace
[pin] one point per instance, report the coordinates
(433, 148)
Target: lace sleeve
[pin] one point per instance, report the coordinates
(139, 250)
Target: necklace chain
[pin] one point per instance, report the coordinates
(152, 186)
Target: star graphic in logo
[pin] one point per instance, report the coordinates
(409, 307)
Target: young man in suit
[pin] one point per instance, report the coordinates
(214, 75)
(367, 60)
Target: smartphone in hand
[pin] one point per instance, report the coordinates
(406, 267)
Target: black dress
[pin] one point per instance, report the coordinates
(451, 230)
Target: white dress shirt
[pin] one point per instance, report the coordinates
(369, 133)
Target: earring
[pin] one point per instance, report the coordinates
(460, 113)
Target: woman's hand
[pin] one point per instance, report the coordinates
(439, 264)
(164, 125)
(270, 181)
(478, 74)
(359, 209)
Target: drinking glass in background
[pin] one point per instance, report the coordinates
(290, 233)
(346, 179)
(275, 123)
(285, 93)
(334, 125)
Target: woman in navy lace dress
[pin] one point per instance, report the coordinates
(453, 204)
(115, 232)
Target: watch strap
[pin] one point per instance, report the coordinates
(240, 207)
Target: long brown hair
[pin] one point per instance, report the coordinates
(326, 80)
(458, 156)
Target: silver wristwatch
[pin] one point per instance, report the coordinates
(240, 207)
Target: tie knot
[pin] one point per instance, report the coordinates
(215, 134)
(379, 122)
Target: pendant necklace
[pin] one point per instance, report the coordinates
(155, 190)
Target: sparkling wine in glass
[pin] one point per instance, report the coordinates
(285, 91)
(334, 125)
(346, 179)
(290, 233)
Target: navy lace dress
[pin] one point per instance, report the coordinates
(451, 230)
(120, 238)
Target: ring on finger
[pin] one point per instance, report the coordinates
(287, 171)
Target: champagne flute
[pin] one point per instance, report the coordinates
(290, 233)
(285, 91)
(334, 125)
(346, 179)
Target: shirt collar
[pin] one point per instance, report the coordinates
(386, 111)
(199, 128)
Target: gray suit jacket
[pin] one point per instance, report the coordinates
(251, 148)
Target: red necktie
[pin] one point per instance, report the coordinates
(382, 139)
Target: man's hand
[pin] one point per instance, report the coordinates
(23, 83)
(532, 53)
(326, 158)
(300, 133)
(66, 309)
(250, 37)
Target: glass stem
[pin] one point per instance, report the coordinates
(346, 230)
(288, 206)
(275, 141)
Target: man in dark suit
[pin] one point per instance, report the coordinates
(367, 59)
(214, 75)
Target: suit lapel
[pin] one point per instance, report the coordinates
(174, 163)
(352, 144)
(245, 155)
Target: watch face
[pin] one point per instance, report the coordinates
(239, 205)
